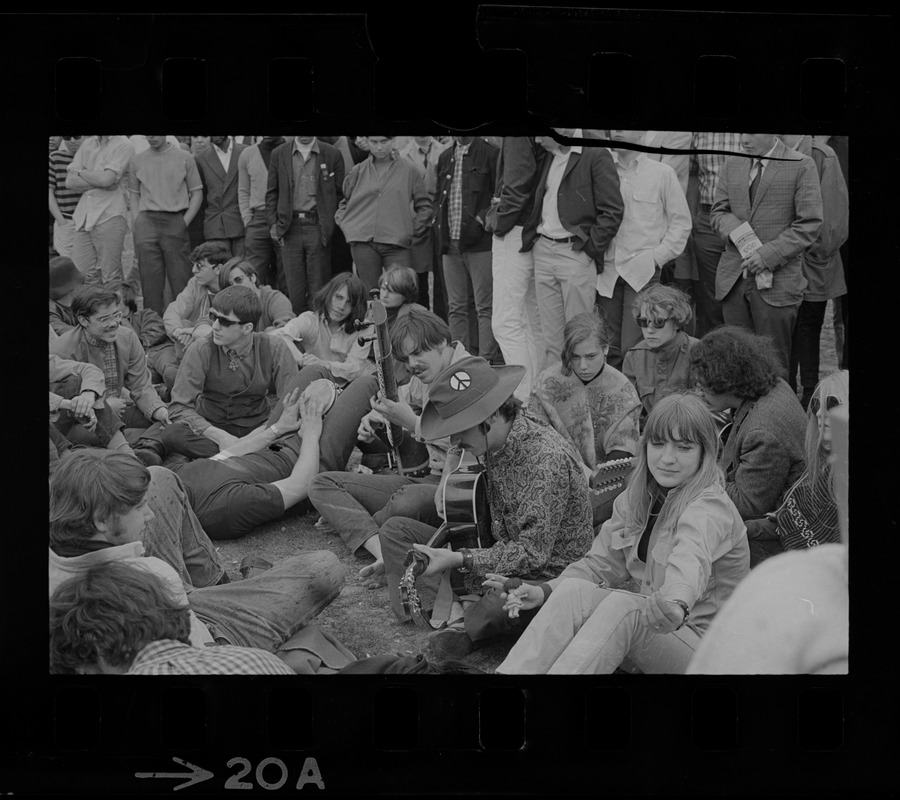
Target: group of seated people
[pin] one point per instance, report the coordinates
(170, 433)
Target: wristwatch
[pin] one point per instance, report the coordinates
(685, 609)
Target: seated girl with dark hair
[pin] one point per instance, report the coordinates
(660, 364)
(328, 335)
(764, 450)
(589, 403)
(808, 514)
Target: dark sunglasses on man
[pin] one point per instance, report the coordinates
(223, 321)
(69, 138)
(830, 402)
(643, 322)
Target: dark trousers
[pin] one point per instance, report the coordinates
(163, 251)
(72, 431)
(805, 347)
(372, 258)
(624, 332)
(707, 247)
(744, 306)
(259, 248)
(305, 263)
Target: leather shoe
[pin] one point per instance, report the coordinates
(450, 643)
(148, 457)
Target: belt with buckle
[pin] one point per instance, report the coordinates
(561, 241)
(309, 217)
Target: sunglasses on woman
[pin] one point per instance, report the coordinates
(830, 402)
(644, 322)
(223, 321)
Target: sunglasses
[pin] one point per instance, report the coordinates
(643, 322)
(67, 138)
(830, 402)
(223, 321)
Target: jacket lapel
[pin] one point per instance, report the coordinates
(233, 164)
(213, 160)
(768, 175)
(574, 158)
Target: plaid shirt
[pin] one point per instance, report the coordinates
(454, 209)
(168, 657)
(110, 364)
(708, 166)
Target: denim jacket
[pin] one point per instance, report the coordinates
(698, 558)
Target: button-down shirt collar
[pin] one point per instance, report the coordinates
(225, 155)
(462, 149)
(635, 163)
(305, 150)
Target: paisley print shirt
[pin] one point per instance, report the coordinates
(540, 512)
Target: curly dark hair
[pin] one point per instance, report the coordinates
(732, 360)
(112, 611)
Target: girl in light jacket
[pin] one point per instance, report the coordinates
(674, 531)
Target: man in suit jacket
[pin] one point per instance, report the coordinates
(577, 210)
(777, 192)
(305, 180)
(218, 166)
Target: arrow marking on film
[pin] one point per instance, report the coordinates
(196, 774)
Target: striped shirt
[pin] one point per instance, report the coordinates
(709, 165)
(168, 657)
(66, 199)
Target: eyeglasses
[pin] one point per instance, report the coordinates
(109, 318)
(67, 138)
(830, 402)
(643, 322)
(223, 321)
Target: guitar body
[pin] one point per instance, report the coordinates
(466, 508)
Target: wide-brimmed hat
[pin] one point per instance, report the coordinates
(466, 394)
(64, 277)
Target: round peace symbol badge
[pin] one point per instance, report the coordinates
(460, 381)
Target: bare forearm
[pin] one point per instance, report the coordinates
(295, 487)
(254, 441)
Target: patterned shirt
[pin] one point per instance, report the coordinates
(540, 512)
(708, 166)
(454, 210)
(168, 657)
(66, 199)
(596, 418)
(110, 363)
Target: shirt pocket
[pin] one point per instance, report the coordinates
(478, 178)
(645, 205)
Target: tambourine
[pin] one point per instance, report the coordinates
(325, 389)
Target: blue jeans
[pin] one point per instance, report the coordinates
(357, 505)
(175, 534)
(266, 610)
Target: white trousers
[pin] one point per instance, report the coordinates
(515, 320)
(584, 629)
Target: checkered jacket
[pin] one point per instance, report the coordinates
(786, 215)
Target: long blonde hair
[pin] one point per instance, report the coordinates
(681, 418)
(837, 385)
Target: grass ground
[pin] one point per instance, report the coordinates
(361, 618)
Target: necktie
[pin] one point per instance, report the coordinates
(754, 185)
(234, 360)
(424, 153)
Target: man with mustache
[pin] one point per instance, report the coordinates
(356, 505)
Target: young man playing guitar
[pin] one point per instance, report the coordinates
(356, 505)
(537, 493)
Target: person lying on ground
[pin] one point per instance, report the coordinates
(106, 506)
(117, 619)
